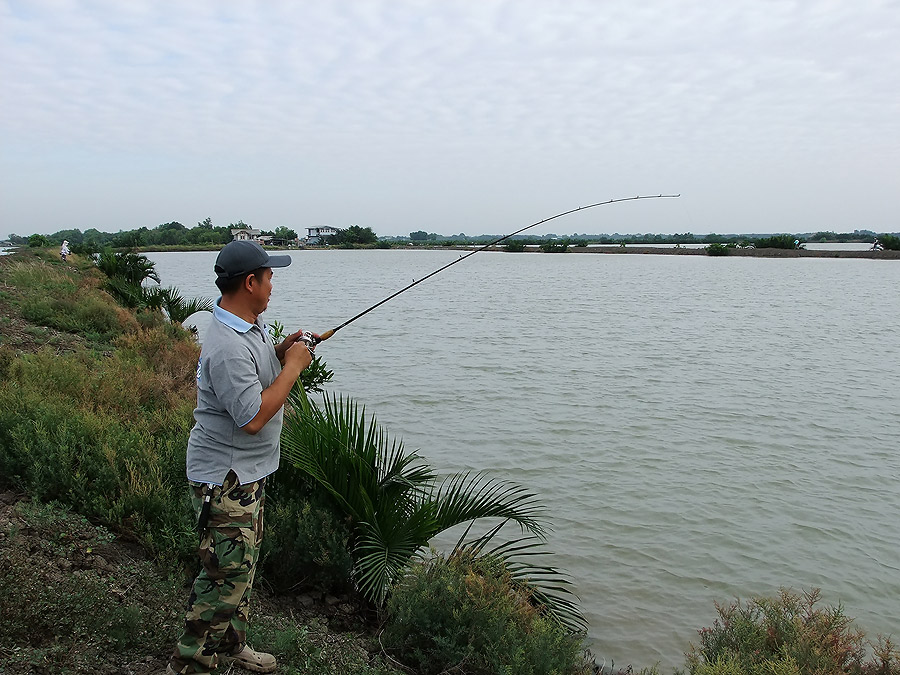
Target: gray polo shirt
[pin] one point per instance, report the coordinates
(237, 361)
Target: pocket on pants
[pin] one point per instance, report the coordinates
(228, 552)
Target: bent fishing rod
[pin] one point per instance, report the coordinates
(312, 340)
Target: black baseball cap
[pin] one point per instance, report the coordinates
(242, 257)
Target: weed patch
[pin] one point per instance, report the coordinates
(461, 614)
(313, 648)
(787, 635)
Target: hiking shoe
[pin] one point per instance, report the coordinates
(258, 662)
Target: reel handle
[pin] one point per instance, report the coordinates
(311, 340)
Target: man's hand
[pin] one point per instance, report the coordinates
(289, 341)
(296, 357)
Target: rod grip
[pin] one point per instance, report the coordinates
(327, 334)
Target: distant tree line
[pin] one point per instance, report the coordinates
(353, 236)
(554, 242)
(166, 234)
(206, 234)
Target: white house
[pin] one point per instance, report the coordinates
(245, 234)
(314, 234)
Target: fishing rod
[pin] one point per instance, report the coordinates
(312, 340)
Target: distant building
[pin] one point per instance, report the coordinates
(314, 235)
(245, 234)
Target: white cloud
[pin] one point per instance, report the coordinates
(508, 107)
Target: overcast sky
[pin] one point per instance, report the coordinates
(475, 116)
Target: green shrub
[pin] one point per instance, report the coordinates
(717, 249)
(108, 470)
(514, 247)
(148, 318)
(178, 308)
(778, 241)
(787, 635)
(890, 242)
(466, 613)
(86, 248)
(37, 241)
(105, 436)
(554, 247)
(306, 542)
(89, 315)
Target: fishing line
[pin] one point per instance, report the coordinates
(312, 340)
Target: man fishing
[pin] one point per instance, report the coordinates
(243, 380)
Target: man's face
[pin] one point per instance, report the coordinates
(262, 290)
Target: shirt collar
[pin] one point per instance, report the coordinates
(231, 320)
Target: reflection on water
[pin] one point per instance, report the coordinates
(700, 428)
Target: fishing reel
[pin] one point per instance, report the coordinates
(310, 341)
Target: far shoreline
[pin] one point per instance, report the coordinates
(736, 252)
(631, 249)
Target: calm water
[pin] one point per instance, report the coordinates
(700, 428)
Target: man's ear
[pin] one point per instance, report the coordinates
(248, 282)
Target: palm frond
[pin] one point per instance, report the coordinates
(178, 309)
(351, 457)
(396, 508)
(153, 297)
(386, 547)
(133, 295)
(466, 496)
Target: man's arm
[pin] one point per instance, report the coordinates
(296, 358)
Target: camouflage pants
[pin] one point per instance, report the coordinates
(216, 619)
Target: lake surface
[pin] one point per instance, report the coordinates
(700, 428)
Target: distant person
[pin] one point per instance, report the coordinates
(796, 243)
(243, 380)
(64, 250)
(876, 246)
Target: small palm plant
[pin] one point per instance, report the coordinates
(128, 265)
(396, 505)
(126, 271)
(178, 308)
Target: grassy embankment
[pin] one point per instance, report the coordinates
(95, 407)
